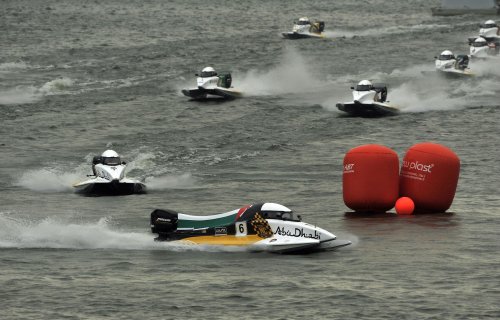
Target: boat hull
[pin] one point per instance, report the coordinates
(217, 93)
(296, 35)
(455, 74)
(110, 188)
(368, 110)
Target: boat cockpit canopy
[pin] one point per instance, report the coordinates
(280, 215)
(364, 87)
(206, 74)
(111, 161)
(488, 25)
(444, 57)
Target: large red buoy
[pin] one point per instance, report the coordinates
(370, 180)
(429, 176)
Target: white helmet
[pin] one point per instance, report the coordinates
(365, 83)
(446, 53)
(304, 19)
(480, 40)
(110, 154)
(208, 69)
(490, 22)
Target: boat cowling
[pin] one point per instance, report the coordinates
(163, 222)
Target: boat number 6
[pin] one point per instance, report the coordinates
(241, 229)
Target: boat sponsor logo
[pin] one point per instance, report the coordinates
(104, 175)
(349, 168)
(298, 233)
(415, 165)
(220, 231)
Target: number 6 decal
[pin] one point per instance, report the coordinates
(241, 228)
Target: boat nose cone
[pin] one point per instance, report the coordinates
(326, 236)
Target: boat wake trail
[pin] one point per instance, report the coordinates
(30, 94)
(48, 180)
(291, 75)
(58, 234)
(377, 32)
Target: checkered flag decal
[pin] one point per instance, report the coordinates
(261, 227)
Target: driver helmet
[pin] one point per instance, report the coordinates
(365, 83)
(490, 24)
(446, 55)
(304, 20)
(110, 158)
(480, 41)
(208, 72)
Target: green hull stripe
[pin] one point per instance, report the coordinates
(209, 223)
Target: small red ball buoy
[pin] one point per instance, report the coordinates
(405, 205)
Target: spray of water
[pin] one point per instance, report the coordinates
(377, 32)
(182, 181)
(291, 75)
(48, 180)
(61, 234)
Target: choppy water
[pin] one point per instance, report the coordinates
(78, 77)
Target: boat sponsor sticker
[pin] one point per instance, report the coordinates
(261, 226)
(220, 231)
(298, 233)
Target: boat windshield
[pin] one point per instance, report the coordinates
(479, 44)
(111, 161)
(444, 57)
(303, 23)
(206, 74)
(489, 25)
(279, 215)
(363, 87)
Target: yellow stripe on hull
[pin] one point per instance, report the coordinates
(223, 240)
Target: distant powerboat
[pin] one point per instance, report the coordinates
(450, 66)
(369, 100)
(305, 29)
(260, 227)
(490, 31)
(211, 84)
(480, 48)
(109, 177)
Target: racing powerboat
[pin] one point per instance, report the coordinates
(369, 100)
(108, 177)
(212, 85)
(490, 32)
(305, 29)
(450, 66)
(481, 48)
(259, 227)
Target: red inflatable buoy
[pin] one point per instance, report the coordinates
(429, 176)
(370, 180)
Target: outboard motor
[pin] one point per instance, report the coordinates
(382, 89)
(225, 80)
(318, 26)
(462, 61)
(163, 222)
